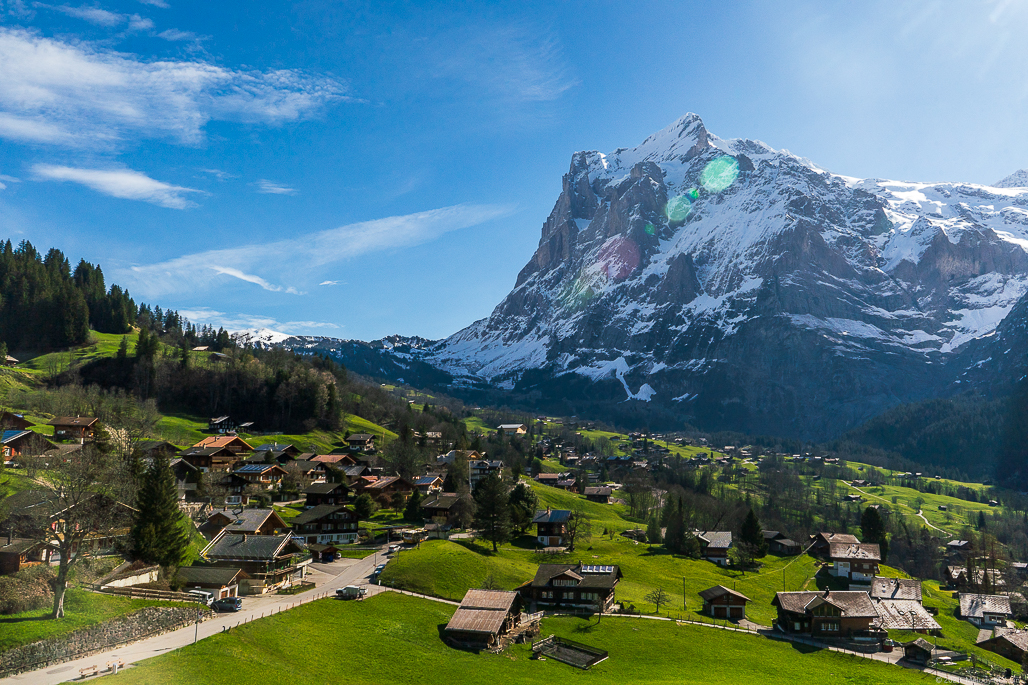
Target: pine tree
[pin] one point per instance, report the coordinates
(413, 510)
(158, 535)
(523, 504)
(653, 535)
(872, 529)
(751, 534)
(493, 515)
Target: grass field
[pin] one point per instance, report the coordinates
(448, 569)
(952, 520)
(82, 609)
(392, 638)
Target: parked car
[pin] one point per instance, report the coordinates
(351, 592)
(393, 548)
(379, 569)
(202, 596)
(228, 604)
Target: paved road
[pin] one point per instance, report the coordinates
(328, 577)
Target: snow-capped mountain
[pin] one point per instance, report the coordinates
(739, 286)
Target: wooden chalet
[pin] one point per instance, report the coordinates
(74, 427)
(826, 614)
(248, 521)
(210, 458)
(232, 443)
(326, 493)
(361, 442)
(778, 544)
(326, 524)
(588, 587)
(383, 489)
(428, 485)
(1011, 644)
(483, 617)
(720, 602)
(335, 459)
(552, 527)
(263, 476)
(714, 545)
(821, 543)
(10, 421)
(440, 508)
(984, 610)
(150, 449)
(601, 493)
(219, 581)
(19, 443)
(222, 424)
(10, 361)
(277, 449)
(512, 428)
(271, 562)
(19, 553)
(855, 561)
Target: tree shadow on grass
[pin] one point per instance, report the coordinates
(804, 648)
(472, 546)
(47, 617)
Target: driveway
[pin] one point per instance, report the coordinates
(329, 577)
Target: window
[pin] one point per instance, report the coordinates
(546, 594)
(830, 627)
(564, 582)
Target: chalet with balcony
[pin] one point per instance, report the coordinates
(826, 614)
(984, 610)
(210, 458)
(248, 521)
(587, 587)
(440, 508)
(361, 442)
(326, 524)
(10, 421)
(75, 427)
(428, 485)
(271, 562)
(263, 476)
(232, 443)
(601, 494)
(714, 545)
(1011, 644)
(821, 543)
(332, 494)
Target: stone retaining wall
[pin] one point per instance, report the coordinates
(132, 627)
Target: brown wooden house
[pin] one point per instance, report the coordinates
(826, 614)
(74, 427)
(588, 587)
(599, 494)
(210, 458)
(821, 543)
(271, 562)
(439, 508)
(854, 561)
(720, 602)
(220, 582)
(326, 524)
(232, 443)
(14, 421)
(1012, 644)
(18, 443)
(551, 527)
(326, 493)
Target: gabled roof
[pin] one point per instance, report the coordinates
(273, 447)
(223, 441)
(257, 468)
(246, 520)
(77, 421)
(1016, 638)
(921, 643)
(360, 437)
(250, 547)
(772, 535)
(209, 575)
(599, 491)
(904, 614)
(442, 500)
(720, 590)
(835, 537)
(852, 604)
(427, 480)
(715, 539)
(331, 458)
(483, 611)
(896, 588)
(318, 512)
(13, 435)
(324, 488)
(592, 576)
(860, 551)
(976, 606)
(552, 516)
(207, 452)
(383, 483)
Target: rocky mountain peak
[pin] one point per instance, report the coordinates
(1018, 179)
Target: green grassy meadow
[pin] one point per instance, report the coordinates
(392, 638)
(82, 609)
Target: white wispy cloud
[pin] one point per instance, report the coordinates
(266, 186)
(156, 3)
(330, 283)
(263, 264)
(236, 322)
(177, 35)
(218, 174)
(84, 95)
(94, 15)
(121, 183)
(138, 23)
(8, 179)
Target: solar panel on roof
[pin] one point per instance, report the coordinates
(597, 569)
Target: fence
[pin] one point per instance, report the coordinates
(145, 593)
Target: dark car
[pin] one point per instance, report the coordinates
(227, 604)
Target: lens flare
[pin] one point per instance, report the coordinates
(618, 258)
(719, 174)
(692, 194)
(678, 208)
(650, 230)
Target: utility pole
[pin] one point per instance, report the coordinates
(196, 631)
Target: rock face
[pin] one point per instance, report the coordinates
(736, 286)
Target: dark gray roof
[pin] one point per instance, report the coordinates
(719, 590)
(271, 447)
(255, 547)
(900, 614)
(599, 491)
(716, 539)
(245, 521)
(552, 516)
(853, 604)
(324, 488)
(318, 512)
(442, 500)
(207, 575)
(592, 576)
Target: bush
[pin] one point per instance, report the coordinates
(28, 589)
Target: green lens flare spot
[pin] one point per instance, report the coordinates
(650, 230)
(692, 194)
(719, 174)
(678, 208)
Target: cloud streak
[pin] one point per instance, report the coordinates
(237, 322)
(121, 183)
(82, 95)
(270, 187)
(260, 264)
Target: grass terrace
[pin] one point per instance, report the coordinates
(392, 638)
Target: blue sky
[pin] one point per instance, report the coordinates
(360, 169)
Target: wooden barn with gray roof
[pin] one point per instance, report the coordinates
(484, 616)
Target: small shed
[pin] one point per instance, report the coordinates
(720, 602)
(483, 617)
(919, 651)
